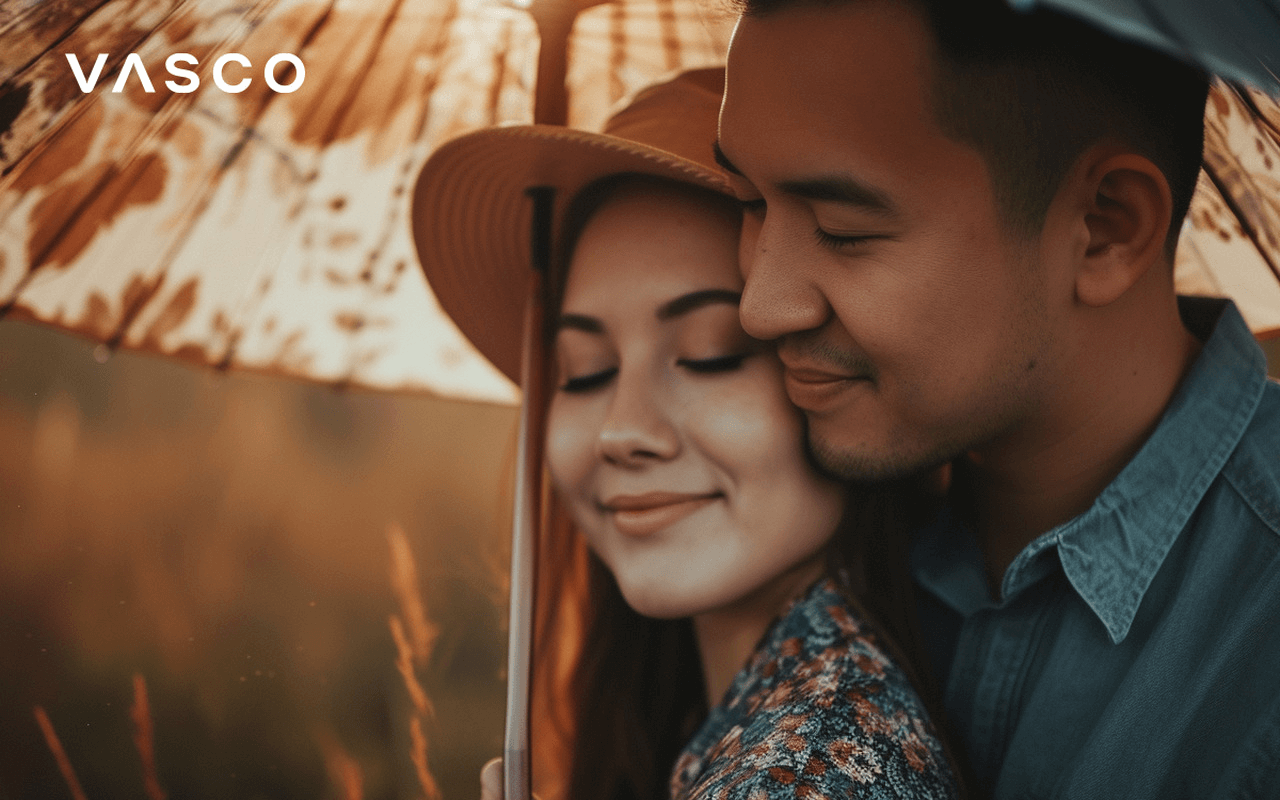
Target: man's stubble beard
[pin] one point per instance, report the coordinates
(1009, 406)
(856, 466)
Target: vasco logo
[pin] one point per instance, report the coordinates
(175, 64)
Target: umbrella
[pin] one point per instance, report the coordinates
(264, 229)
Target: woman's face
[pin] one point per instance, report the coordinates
(670, 436)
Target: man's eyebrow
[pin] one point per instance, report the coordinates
(834, 189)
(579, 322)
(693, 300)
(723, 160)
(841, 189)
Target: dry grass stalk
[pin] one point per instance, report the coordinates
(404, 663)
(343, 770)
(59, 755)
(418, 753)
(415, 637)
(144, 738)
(404, 583)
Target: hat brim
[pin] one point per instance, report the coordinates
(472, 218)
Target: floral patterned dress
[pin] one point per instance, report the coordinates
(819, 711)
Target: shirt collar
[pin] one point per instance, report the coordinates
(1112, 552)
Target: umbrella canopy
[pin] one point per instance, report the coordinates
(263, 229)
(1239, 39)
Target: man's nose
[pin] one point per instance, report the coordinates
(780, 297)
(637, 429)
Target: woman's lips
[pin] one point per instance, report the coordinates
(646, 514)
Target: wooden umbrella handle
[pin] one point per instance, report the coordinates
(516, 776)
(554, 19)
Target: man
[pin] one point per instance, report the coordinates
(960, 228)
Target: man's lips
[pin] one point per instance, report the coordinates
(814, 388)
(809, 375)
(646, 514)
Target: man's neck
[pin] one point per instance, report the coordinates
(1055, 466)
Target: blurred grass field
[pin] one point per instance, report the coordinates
(225, 537)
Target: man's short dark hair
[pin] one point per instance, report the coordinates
(1032, 91)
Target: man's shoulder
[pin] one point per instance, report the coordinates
(1254, 467)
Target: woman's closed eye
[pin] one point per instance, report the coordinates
(590, 381)
(705, 366)
(702, 366)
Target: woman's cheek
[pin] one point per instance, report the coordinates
(750, 425)
(570, 447)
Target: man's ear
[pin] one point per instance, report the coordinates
(1127, 209)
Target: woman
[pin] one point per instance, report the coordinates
(698, 636)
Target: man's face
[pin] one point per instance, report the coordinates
(913, 324)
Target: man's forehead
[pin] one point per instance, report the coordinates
(825, 51)
(812, 70)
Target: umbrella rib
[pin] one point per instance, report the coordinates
(1261, 119)
(302, 46)
(1242, 220)
(354, 88)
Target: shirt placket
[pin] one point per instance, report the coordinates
(985, 693)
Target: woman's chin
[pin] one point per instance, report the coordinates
(663, 602)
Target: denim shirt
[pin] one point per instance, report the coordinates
(1133, 651)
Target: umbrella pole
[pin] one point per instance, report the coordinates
(554, 19)
(516, 776)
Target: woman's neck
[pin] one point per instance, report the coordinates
(727, 635)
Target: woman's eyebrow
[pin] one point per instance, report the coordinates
(579, 322)
(693, 300)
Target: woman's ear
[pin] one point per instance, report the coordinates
(1127, 210)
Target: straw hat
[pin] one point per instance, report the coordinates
(472, 219)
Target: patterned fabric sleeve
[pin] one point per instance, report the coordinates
(820, 711)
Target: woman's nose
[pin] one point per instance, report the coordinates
(638, 430)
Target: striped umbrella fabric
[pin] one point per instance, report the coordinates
(1230, 243)
(266, 229)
